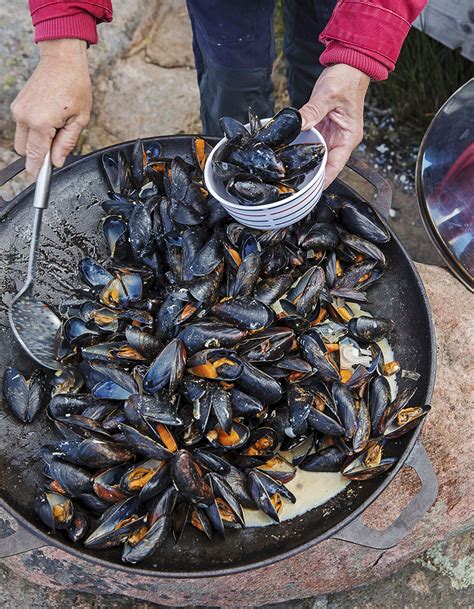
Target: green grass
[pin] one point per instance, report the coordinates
(426, 74)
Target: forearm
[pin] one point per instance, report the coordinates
(58, 19)
(368, 35)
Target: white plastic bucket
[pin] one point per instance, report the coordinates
(280, 213)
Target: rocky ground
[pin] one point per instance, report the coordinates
(145, 84)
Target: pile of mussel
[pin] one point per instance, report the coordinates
(261, 165)
(204, 362)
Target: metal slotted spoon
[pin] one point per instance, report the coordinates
(33, 323)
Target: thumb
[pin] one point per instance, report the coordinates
(313, 112)
(65, 142)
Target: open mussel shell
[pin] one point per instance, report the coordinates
(208, 257)
(406, 419)
(143, 342)
(267, 346)
(267, 492)
(262, 445)
(300, 400)
(362, 246)
(55, 510)
(137, 476)
(243, 404)
(318, 235)
(231, 127)
(270, 289)
(217, 364)
(140, 230)
(201, 150)
(222, 489)
(158, 482)
(119, 351)
(118, 205)
(200, 519)
(107, 381)
(147, 541)
(324, 423)
(379, 399)
(115, 230)
(107, 484)
(117, 523)
(222, 407)
(400, 402)
(236, 438)
(117, 172)
(369, 463)
(63, 404)
(346, 408)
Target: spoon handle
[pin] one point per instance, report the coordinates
(43, 183)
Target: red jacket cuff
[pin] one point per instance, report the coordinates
(338, 53)
(375, 28)
(82, 26)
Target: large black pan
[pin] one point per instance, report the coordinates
(70, 233)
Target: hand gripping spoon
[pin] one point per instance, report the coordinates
(33, 323)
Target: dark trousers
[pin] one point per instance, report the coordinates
(234, 51)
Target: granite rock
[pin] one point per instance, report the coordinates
(143, 99)
(170, 44)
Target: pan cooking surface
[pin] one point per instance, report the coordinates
(71, 232)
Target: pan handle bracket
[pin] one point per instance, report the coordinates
(383, 193)
(14, 537)
(358, 533)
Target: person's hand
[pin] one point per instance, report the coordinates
(336, 109)
(54, 105)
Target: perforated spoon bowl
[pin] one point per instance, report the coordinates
(33, 322)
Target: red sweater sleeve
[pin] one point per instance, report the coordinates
(69, 18)
(368, 34)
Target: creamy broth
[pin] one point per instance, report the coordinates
(310, 489)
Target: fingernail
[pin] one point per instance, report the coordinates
(60, 162)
